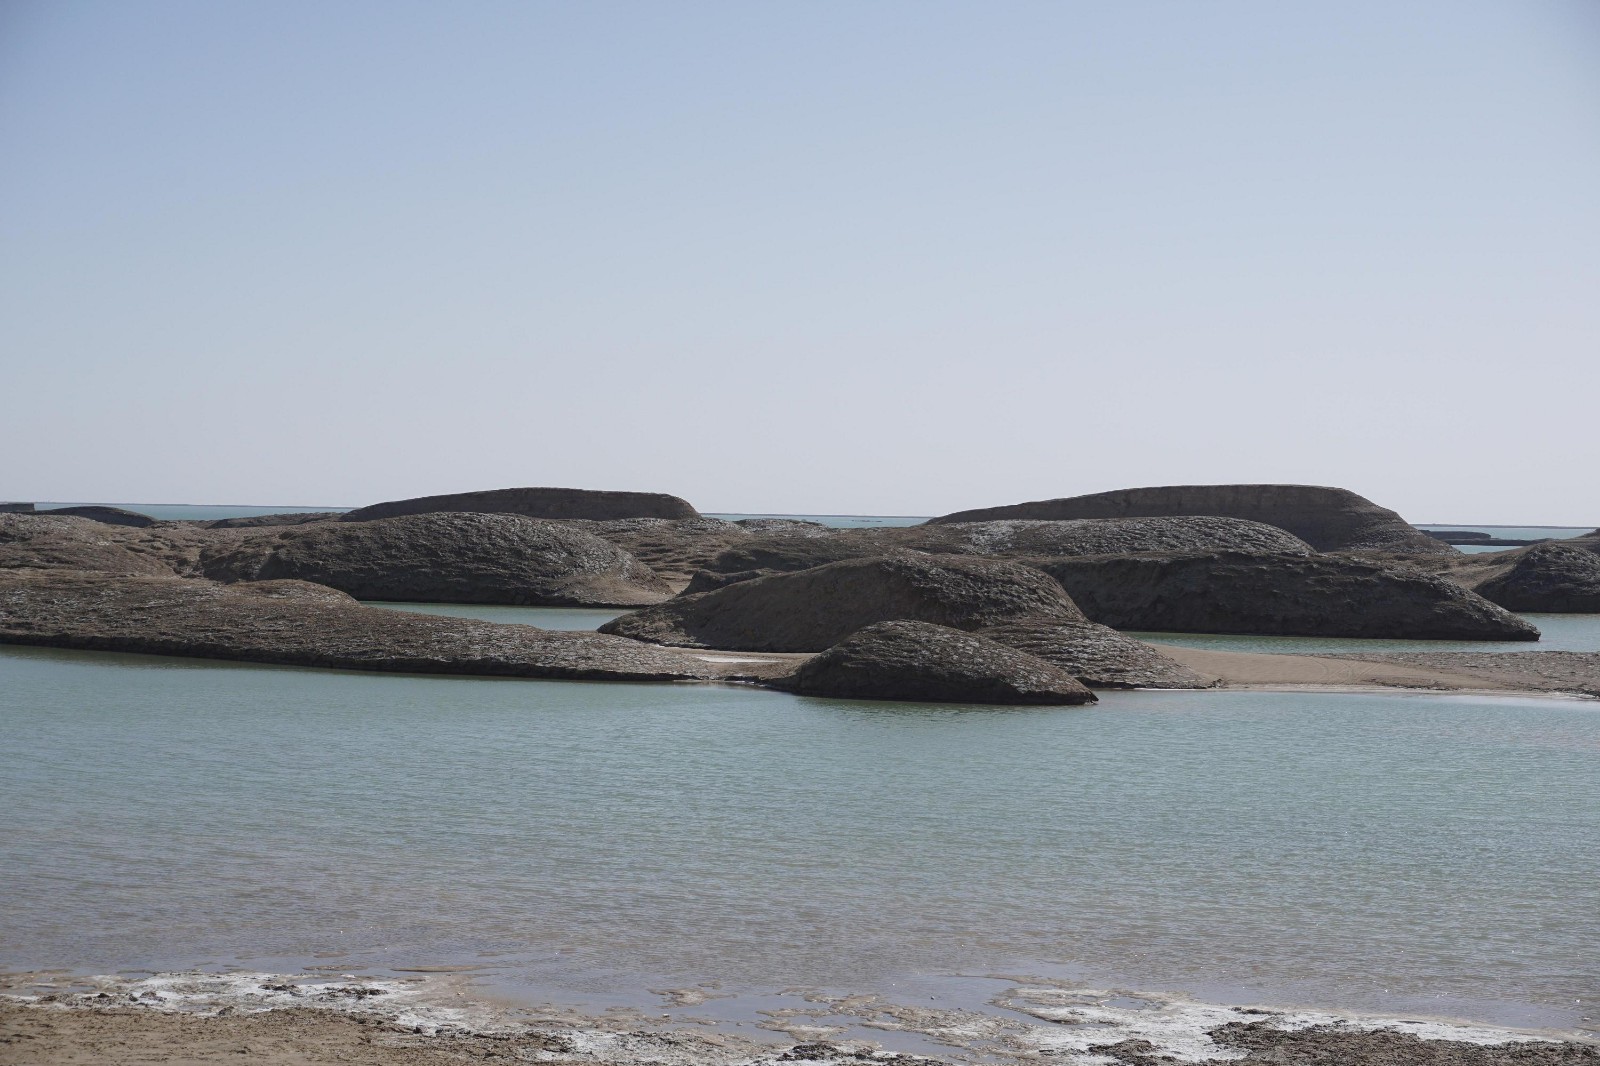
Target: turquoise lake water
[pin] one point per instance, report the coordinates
(1364, 852)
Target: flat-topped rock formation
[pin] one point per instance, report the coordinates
(111, 516)
(1329, 519)
(1097, 655)
(756, 556)
(933, 664)
(446, 558)
(63, 542)
(1553, 576)
(300, 624)
(592, 504)
(810, 610)
(1021, 538)
(1279, 595)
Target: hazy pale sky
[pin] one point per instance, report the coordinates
(870, 257)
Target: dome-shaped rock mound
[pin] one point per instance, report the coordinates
(111, 516)
(445, 558)
(1328, 519)
(1102, 536)
(933, 664)
(1098, 656)
(590, 504)
(810, 610)
(1279, 595)
(61, 542)
(1555, 577)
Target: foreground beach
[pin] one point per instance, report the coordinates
(200, 1019)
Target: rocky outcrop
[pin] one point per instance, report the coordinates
(592, 504)
(810, 610)
(933, 664)
(17, 508)
(673, 548)
(61, 542)
(1014, 538)
(1329, 519)
(292, 518)
(1553, 576)
(111, 516)
(445, 558)
(295, 623)
(1097, 655)
(1284, 595)
(756, 556)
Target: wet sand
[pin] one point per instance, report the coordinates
(1496, 673)
(194, 1019)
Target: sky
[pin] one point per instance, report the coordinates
(871, 257)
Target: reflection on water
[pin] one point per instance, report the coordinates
(543, 617)
(1356, 851)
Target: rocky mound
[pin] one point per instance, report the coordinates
(1553, 576)
(111, 516)
(593, 504)
(445, 558)
(295, 623)
(60, 542)
(1019, 538)
(810, 610)
(1097, 655)
(933, 664)
(292, 518)
(1281, 595)
(1328, 519)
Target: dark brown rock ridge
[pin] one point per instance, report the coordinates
(593, 504)
(1097, 655)
(1329, 519)
(111, 516)
(933, 664)
(758, 555)
(291, 518)
(814, 609)
(300, 624)
(62, 542)
(1553, 577)
(1281, 595)
(445, 558)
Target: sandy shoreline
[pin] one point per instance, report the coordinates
(1489, 673)
(281, 1020)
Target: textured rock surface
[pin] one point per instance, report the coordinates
(813, 609)
(933, 664)
(111, 516)
(756, 556)
(445, 558)
(1098, 656)
(1546, 577)
(292, 518)
(673, 548)
(1319, 595)
(1329, 519)
(593, 504)
(1575, 672)
(1016, 538)
(56, 542)
(291, 622)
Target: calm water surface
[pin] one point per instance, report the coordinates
(1385, 852)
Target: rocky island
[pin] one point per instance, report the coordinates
(1012, 604)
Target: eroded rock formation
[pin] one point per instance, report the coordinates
(1283, 595)
(1097, 655)
(592, 504)
(301, 624)
(933, 664)
(1553, 576)
(446, 557)
(61, 542)
(810, 610)
(1329, 519)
